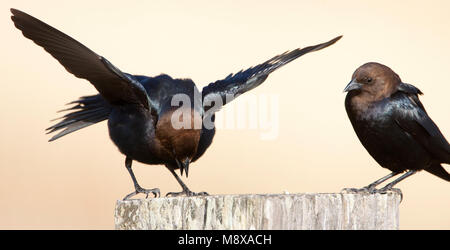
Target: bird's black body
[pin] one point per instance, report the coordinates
(387, 142)
(392, 124)
(133, 129)
(140, 110)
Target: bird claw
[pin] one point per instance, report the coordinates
(349, 190)
(387, 189)
(154, 191)
(186, 192)
(373, 190)
(367, 189)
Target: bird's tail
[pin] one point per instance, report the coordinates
(86, 111)
(439, 171)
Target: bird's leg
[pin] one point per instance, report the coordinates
(389, 186)
(186, 191)
(138, 188)
(371, 187)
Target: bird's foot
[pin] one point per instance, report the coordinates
(388, 188)
(186, 192)
(139, 190)
(372, 190)
(367, 189)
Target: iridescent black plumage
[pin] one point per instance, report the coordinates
(392, 124)
(138, 108)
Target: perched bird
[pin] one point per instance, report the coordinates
(143, 112)
(393, 126)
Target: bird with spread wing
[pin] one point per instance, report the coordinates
(140, 109)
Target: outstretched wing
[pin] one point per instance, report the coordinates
(412, 118)
(113, 84)
(243, 81)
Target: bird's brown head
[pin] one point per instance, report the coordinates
(374, 80)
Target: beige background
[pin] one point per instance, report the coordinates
(74, 182)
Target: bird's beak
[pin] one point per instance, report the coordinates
(353, 85)
(184, 166)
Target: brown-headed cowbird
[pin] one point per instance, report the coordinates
(140, 109)
(393, 126)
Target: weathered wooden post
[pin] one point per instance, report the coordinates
(265, 211)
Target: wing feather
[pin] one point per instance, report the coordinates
(114, 85)
(413, 119)
(243, 81)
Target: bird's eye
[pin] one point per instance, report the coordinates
(369, 80)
